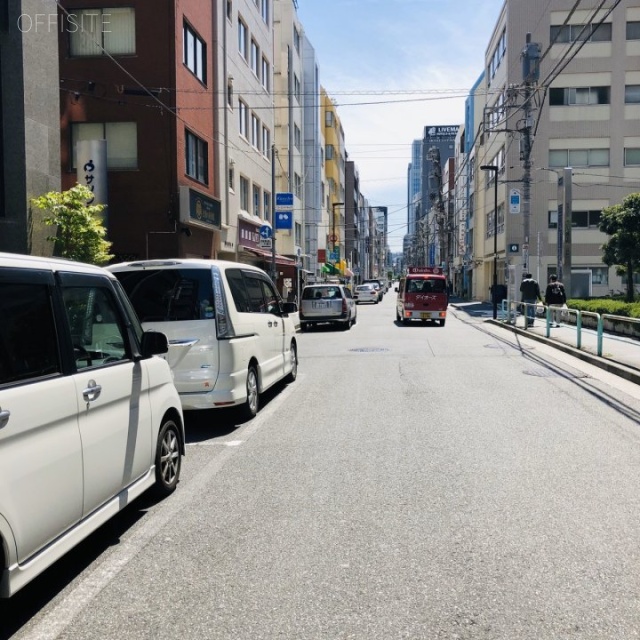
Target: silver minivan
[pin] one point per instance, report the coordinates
(231, 336)
(89, 417)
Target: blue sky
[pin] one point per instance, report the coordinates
(394, 66)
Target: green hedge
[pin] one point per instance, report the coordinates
(605, 305)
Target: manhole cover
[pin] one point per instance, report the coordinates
(369, 349)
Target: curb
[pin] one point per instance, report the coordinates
(616, 368)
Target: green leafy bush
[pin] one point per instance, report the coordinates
(607, 305)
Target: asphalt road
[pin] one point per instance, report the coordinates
(415, 482)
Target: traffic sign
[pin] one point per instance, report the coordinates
(284, 201)
(265, 231)
(514, 201)
(284, 219)
(514, 248)
(265, 243)
(333, 238)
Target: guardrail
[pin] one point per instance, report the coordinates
(511, 310)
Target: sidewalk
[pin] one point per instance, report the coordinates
(620, 354)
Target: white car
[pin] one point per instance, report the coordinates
(231, 336)
(366, 293)
(89, 418)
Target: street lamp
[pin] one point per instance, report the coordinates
(494, 289)
(334, 237)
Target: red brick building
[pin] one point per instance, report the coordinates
(140, 75)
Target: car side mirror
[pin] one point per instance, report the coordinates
(154, 343)
(289, 307)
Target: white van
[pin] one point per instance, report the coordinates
(89, 419)
(231, 336)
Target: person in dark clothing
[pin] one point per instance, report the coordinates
(530, 292)
(555, 296)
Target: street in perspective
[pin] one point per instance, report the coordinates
(320, 320)
(413, 482)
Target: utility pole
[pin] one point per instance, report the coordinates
(565, 223)
(530, 75)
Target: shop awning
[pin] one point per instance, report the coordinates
(329, 268)
(266, 254)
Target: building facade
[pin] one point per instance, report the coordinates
(29, 122)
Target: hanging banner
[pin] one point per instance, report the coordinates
(91, 162)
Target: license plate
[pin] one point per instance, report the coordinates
(425, 316)
(320, 305)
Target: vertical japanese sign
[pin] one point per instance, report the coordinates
(92, 170)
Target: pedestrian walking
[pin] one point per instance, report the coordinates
(555, 297)
(530, 292)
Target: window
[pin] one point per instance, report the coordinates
(97, 336)
(255, 58)
(230, 93)
(632, 94)
(121, 137)
(194, 54)
(579, 219)
(243, 114)
(633, 30)
(97, 32)
(232, 176)
(632, 157)
(264, 10)
(229, 10)
(169, 295)
(579, 32)
(328, 119)
(266, 205)
(297, 185)
(244, 194)
(196, 157)
(297, 137)
(257, 200)
(28, 340)
(266, 142)
(266, 74)
(330, 152)
(255, 131)
(579, 96)
(297, 91)
(296, 39)
(242, 38)
(600, 275)
(579, 157)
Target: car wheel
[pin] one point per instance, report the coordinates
(250, 407)
(293, 355)
(442, 323)
(168, 459)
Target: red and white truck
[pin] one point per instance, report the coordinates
(422, 295)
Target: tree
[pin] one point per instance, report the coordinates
(80, 233)
(622, 223)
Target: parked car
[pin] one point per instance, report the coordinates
(231, 336)
(366, 293)
(327, 303)
(89, 418)
(378, 285)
